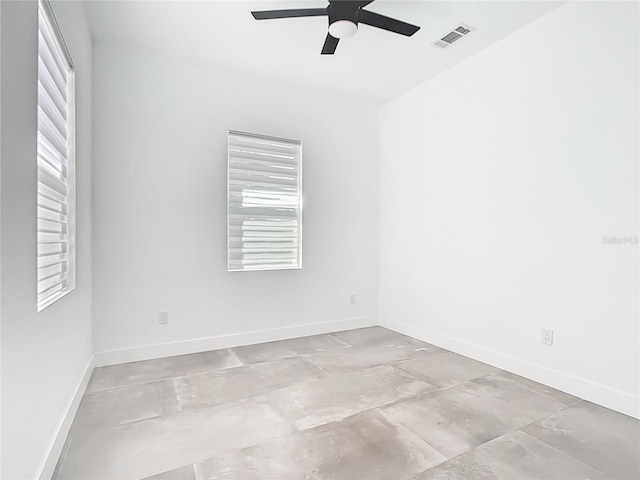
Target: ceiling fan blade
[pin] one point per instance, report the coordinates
(330, 44)
(386, 23)
(299, 12)
(358, 3)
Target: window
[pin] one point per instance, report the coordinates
(56, 162)
(264, 209)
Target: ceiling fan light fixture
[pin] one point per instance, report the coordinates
(343, 29)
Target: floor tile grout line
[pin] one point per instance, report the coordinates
(235, 355)
(525, 389)
(297, 431)
(333, 335)
(473, 448)
(562, 452)
(76, 431)
(399, 425)
(561, 407)
(166, 357)
(300, 354)
(198, 372)
(555, 412)
(295, 354)
(260, 394)
(517, 383)
(266, 393)
(436, 387)
(368, 409)
(337, 347)
(159, 380)
(81, 430)
(177, 393)
(270, 439)
(279, 412)
(413, 375)
(124, 387)
(512, 430)
(496, 373)
(391, 364)
(198, 407)
(509, 432)
(308, 360)
(448, 387)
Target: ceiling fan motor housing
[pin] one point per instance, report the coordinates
(343, 19)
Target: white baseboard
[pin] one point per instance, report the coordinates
(617, 400)
(57, 444)
(148, 352)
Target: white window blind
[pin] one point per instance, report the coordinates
(264, 203)
(56, 163)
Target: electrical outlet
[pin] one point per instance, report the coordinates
(352, 299)
(547, 337)
(163, 318)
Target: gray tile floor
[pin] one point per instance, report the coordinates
(357, 405)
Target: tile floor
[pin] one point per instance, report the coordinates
(356, 405)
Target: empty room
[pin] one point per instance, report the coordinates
(319, 239)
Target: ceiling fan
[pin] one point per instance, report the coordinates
(344, 16)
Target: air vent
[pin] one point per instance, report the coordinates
(454, 35)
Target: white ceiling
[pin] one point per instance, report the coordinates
(373, 65)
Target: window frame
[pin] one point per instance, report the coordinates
(299, 207)
(61, 271)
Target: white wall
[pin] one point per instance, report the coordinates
(44, 355)
(159, 210)
(498, 180)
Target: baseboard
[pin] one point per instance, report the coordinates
(617, 400)
(148, 352)
(64, 426)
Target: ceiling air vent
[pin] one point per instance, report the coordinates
(454, 35)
